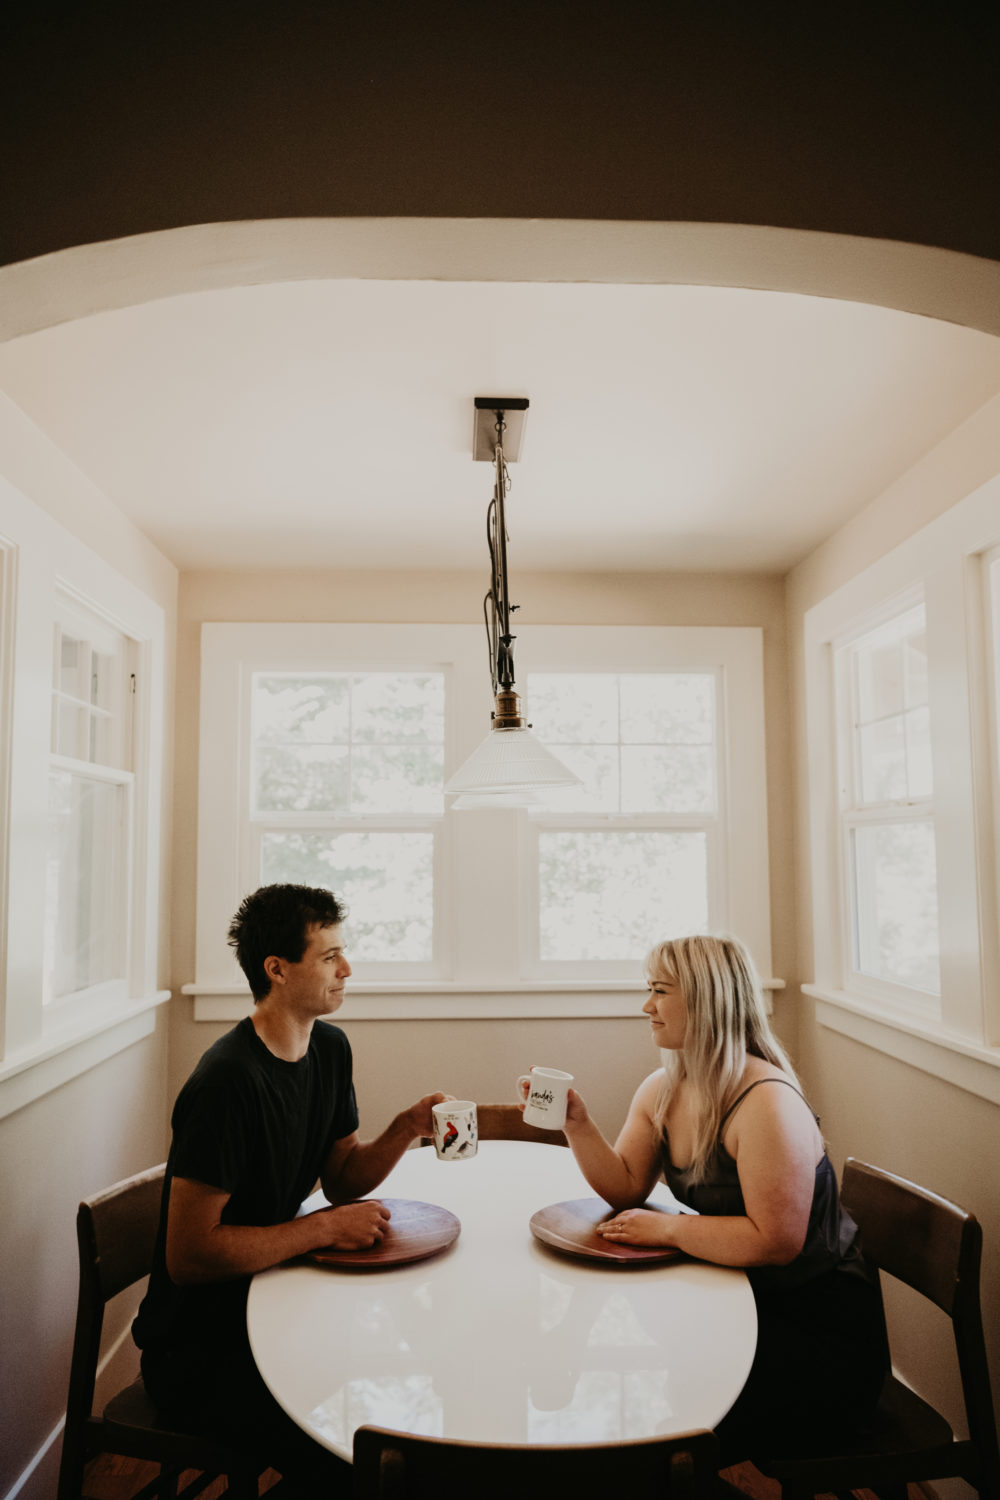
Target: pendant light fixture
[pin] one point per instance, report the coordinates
(511, 766)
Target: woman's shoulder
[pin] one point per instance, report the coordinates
(648, 1092)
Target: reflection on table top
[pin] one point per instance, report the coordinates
(501, 1339)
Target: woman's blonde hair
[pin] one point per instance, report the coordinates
(726, 1023)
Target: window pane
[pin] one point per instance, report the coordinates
(387, 880)
(84, 899)
(896, 919)
(613, 895)
(398, 707)
(301, 710)
(882, 749)
(340, 743)
(679, 779)
(89, 690)
(668, 709)
(651, 723)
(383, 780)
(597, 767)
(573, 708)
(880, 680)
(301, 778)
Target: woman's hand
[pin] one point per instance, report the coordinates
(576, 1110)
(638, 1226)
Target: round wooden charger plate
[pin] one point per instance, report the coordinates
(571, 1227)
(416, 1230)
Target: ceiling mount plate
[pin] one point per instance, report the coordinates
(484, 435)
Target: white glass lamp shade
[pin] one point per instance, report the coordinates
(509, 760)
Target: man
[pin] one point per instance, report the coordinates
(268, 1110)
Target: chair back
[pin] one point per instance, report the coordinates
(935, 1247)
(505, 1122)
(399, 1466)
(921, 1239)
(116, 1232)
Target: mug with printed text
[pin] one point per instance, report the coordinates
(456, 1129)
(545, 1104)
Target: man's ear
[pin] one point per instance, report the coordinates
(274, 968)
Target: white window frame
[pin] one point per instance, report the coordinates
(41, 1046)
(736, 832)
(944, 561)
(853, 814)
(256, 825)
(484, 931)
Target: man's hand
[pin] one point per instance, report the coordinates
(353, 1226)
(420, 1116)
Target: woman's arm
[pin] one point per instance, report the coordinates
(622, 1174)
(776, 1145)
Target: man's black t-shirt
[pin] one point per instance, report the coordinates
(258, 1128)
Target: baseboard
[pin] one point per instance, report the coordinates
(37, 1481)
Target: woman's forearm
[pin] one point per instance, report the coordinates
(606, 1172)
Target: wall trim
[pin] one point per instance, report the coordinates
(955, 1059)
(38, 1069)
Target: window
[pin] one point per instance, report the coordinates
(347, 791)
(90, 823)
(625, 859)
(904, 787)
(324, 751)
(81, 746)
(887, 845)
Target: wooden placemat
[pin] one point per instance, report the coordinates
(416, 1230)
(571, 1227)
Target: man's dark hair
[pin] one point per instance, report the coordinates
(276, 920)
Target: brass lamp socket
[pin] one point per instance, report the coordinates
(507, 714)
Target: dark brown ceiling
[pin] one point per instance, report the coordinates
(876, 119)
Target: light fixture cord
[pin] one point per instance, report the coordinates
(496, 604)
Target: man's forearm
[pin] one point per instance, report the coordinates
(370, 1162)
(231, 1250)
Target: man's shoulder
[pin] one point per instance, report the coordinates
(228, 1059)
(327, 1038)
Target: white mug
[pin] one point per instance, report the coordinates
(546, 1102)
(456, 1129)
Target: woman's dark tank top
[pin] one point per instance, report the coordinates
(831, 1242)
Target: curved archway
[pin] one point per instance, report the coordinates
(88, 279)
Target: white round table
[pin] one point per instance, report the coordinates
(500, 1339)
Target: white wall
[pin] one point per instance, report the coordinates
(104, 1123)
(873, 1106)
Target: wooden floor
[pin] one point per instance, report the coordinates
(112, 1478)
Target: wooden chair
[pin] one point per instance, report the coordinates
(398, 1466)
(935, 1247)
(505, 1122)
(116, 1231)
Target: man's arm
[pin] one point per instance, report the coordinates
(200, 1248)
(354, 1167)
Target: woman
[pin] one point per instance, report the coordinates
(725, 1123)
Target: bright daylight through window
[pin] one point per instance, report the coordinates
(90, 806)
(335, 748)
(887, 844)
(629, 856)
(325, 750)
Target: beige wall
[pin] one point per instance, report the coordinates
(873, 1106)
(399, 1062)
(105, 1123)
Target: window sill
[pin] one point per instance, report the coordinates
(56, 1058)
(439, 1000)
(925, 1045)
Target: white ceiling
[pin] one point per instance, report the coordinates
(329, 423)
